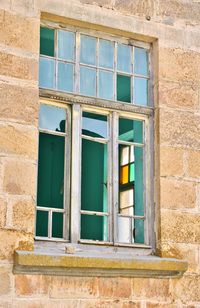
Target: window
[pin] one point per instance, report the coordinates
(94, 165)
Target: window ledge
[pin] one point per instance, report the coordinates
(91, 264)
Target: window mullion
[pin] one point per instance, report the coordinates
(76, 174)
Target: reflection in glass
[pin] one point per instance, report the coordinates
(47, 73)
(123, 88)
(141, 61)
(65, 76)
(66, 44)
(94, 228)
(94, 125)
(42, 223)
(141, 91)
(131, 130)
(88, 50)
(106, 85)
(88, 81)
(57, 225)
(47, 41)
(106, 54)
(52, 118)
(124, 58)
(124, 229)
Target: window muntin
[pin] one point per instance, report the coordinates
(121, 202)
(93, 66)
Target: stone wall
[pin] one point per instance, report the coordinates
(175, 23)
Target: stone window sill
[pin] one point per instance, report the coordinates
(93, 264)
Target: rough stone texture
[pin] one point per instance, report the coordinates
(3, 209)
(171, 161)
(27, 285)
(194, 164)
(102, 3)
(144, 288)
(5, 284)
(115, 288)
(188, 289)
(19, 104)
(177, 194)
(19, 177)
(23, 215)
(136, 7)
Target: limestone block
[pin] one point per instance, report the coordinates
(178, 95)
(177, 194)
(24, 7)
(11, 240)
(3, 208)
(160, 305)
(19, 104)
(23, 217)
(5, 4)
(145, 288)
(32, 285)
(20, 32)
(117, 303)
(137, 7)
(114, 287)
(194, 163)
(179, 65)
(180, 227)
(186, 290)
(20, 140)
(171, 161)
(19, 177)
(5, 284)
(63, 287)
(179, 129)
(101, 3)
(18, 67)
(43, 302)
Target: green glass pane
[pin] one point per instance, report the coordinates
(141, 91)
(88, 50)
(57, 225)
(123, 88)
(88, 81)
(139, 184)
(131, 130)
(52, 118)
(47, 73)
(42, 223)
(66, 45)
(94, 228)
(138, 234)
(65, 78)
(94, 125)
(47, 42)
(132, 172)
(51, 171)
(106, 89)
(141, 61)
(94, 176)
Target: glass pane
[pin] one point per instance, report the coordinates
(88, 81)
(138, 231)
(88, 50)
(139, 181)
(131, 130)
(123, 88)
(94, 125)
(124, 172)
(126, 201)
(124, 230)
(52, 118)
(132, 173)
(47, 42)
(65, 76)
(106, 85)
(124, 157)
(42, 223)
(66, 45)
(51, 171)
(106, 54)
(94, 227)
(124, 58)
(141, 91)
(57, 225)
(94, 176)
(47, 73)
(141, 61)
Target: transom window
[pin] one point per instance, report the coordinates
(94, 164)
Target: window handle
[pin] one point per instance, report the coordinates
(106, 185)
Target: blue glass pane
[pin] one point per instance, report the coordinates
(106, 85)
(66, 42)
(141, 61)
(124, 58)
(88, 50)
(52, 118)
(141, 91)
(65, 77)
(88, 81)
(47, 73)
(106, 54)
